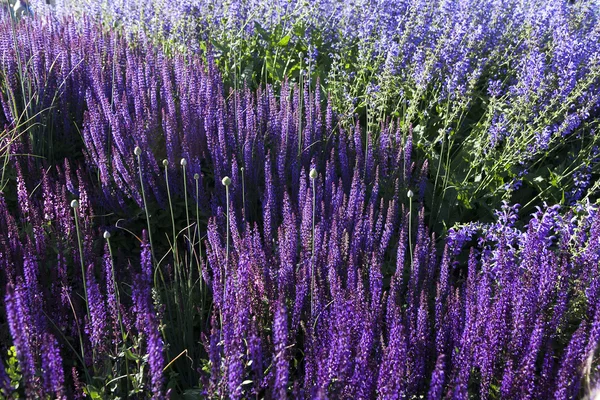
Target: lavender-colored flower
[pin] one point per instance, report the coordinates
(19, 324)
(280, 340)
(52, 368)
(437, 380)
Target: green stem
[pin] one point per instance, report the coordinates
(243, 194)
(410, 246)
(118, 295)
(75, 206)
(312, 258)
(138, 152)
(165, 163)
(227, 239)
(187, 216)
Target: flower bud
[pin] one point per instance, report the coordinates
(106, 235)
(226, 181)
(410, 194)
(313, 174)
(75, 204)
(137, 151)
(165, 163)
(196, 176)
(183, 162)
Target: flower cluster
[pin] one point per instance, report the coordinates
(160, 231)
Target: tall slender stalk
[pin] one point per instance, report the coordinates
(187, 218)
(106, 236)
(410, 196)
(243, 194)
(313, 176)
(75, 206)
(138, 152)
(196, 179)
(301, 92)
(175, 254)
(226, 181)
(114, 282)
(201, 283)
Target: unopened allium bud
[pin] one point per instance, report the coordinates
(165, 163)
(196, 176)
(106, 235)
(183, 162)
(137, 151)
(410, 194)
(313, 174)
(74, 204)
(226, 181)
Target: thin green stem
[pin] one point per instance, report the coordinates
(301, 91)
(227, 239)
(118, 299)
(175, 254)
(75, 206)
(199, 261)
(138, 153)
(243, 194)
(187, 216)
(313, 176)
(410, 205)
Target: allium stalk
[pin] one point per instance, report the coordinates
(106, 236)
(199, 261)
(138, 152)
(226, 181)
(243, 194)
(196, 179)
(187, 218)
(300, 93)
(187, 212)
(174, 244)
(313, 176)
(410, 196)
(75, 207)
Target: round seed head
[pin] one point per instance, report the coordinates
(165, 163)
(74, 204)
(313, 174)
(183, 162)
(226, 181)
(410, 194)
(196, 176)
(106, 235)
(137, 151)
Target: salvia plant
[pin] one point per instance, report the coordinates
(257, 200)
(503, 94)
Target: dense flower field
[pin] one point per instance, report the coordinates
(324, 200)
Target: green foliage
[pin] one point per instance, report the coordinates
(14, 372)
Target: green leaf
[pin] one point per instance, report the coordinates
(192, 394)
(93, 392)
(284, 41)
(130, 356)
(262, 32)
